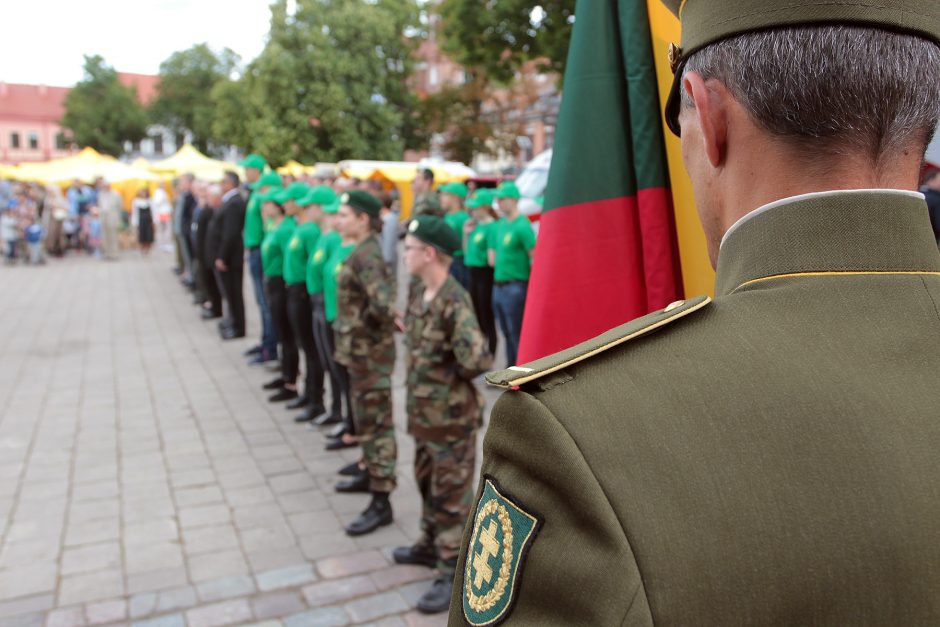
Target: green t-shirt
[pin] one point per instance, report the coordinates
(514, 243)
(333, 267)
(272, 248)
(317, 262)
(253, 234)
(481, 240)
(298, 252)
(456, 221)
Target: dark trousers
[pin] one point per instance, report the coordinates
(509, 305)
(268, 334)
(481, 292)
(461, 272)
(339, 377)
(276, 293)
(210, 286)
(300, 315)
(231, 281)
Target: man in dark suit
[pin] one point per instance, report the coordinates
(230, 256)
(186, 206)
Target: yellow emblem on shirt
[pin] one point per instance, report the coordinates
(295, 243)
(318, 257)
(478, 238)
(507, 239)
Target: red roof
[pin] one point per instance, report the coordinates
(146, 85)
(32, 102)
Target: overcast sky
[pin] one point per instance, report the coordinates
(43, 41)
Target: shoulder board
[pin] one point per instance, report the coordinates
(518, 375)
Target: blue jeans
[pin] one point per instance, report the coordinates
(509, 305)
(268, 334)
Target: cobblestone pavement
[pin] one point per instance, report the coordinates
(146, 481)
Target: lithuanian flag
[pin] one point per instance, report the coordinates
(607, 249)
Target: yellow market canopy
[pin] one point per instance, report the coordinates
(188, 160)
(86, 166)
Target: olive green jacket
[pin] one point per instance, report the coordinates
(770, 458)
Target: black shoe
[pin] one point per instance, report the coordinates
(284, 395)
(350, 470)
(437, 598)
(231, 334)
(420, 554)
(224, 324)
(208, 314)
(338, 431)
(254, 350)
(311, 414)
(378, 514)
(298, 403)
(328, 419)
(337, 444)
(274, 384)
(359, 483)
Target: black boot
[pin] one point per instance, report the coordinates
(351, 469)
(422, 554)
(437, 599)
(378, 514)
(359, 483)
(298, 403)
(310, 414)
(274, 384)
(285, 394)
(328, 419)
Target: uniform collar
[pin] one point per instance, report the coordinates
(844, 231)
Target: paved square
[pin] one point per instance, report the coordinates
(145, 480)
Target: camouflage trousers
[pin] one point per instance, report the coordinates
(372, 411)
(444, 473)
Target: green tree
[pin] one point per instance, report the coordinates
(499, 36)
(102, 113)
(184, 97)
(330, 84)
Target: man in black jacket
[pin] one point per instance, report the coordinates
(186, 207)
(207, 243)
(230, 256)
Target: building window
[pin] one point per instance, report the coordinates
(60, 142)
(34, 141)
(14, 140)
(158, 144)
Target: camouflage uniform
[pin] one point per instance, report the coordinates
(446, 350)
(427, 204)
(365, 344)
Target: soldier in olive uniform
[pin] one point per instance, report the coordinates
(769, 458)
(426, 202)
(446, 350)
(365, 344)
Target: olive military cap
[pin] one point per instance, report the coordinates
(433, 231)
(362, 201)
(707, 21)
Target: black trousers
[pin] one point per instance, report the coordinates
(231, 283)
(300, 314)
(339, 377)
(276, 292)
(210, 286)
(481, 293)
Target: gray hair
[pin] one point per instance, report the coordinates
(832, 90)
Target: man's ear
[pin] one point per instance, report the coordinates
(710, 114)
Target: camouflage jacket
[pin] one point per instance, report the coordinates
(428, 204)
(365, 317)
(446, 350)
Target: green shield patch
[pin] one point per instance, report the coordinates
(502, 533)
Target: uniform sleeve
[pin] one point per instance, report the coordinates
(379, 289)
(579, 569)
(470, 348)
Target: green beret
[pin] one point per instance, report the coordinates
(268, 179)
(297, 191)
(433, 231)
(707, 21)
(362, 201)
(508, 189)
(457, 189)
(254, 161)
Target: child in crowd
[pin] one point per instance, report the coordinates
(9, 233)
(93, 235)
(33, 235)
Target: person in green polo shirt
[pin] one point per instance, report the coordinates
(259, 182)
(296, 257)
(479, 242)
(452, 199)
(331, 269)
(515, 241)
(329, 241)
(280, 230)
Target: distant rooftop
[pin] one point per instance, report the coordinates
(42, 103)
